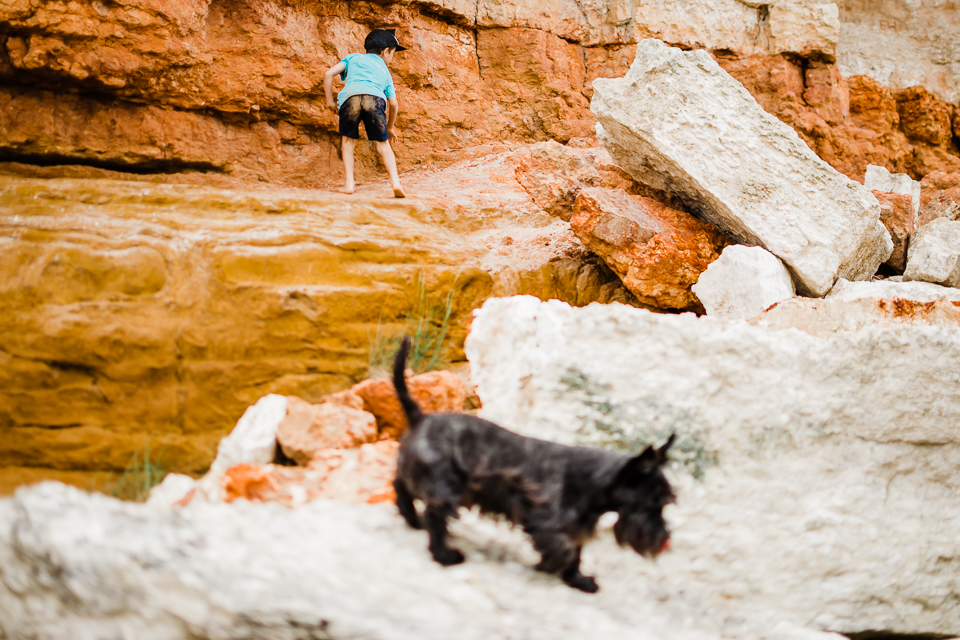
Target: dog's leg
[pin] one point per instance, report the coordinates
(436, 521)
(572, 576)
(559, 556)
(405, 504)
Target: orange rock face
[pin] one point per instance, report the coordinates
(925, 117)
(339, 422)
(939, 197)
(435, 392)
(896, 214)
(658, 252)
(554, 174)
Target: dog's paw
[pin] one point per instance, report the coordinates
(448, 557)
(583, 583)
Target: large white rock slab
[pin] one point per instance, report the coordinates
(889, 288)
(829, 315)
(828, 466)
(879, 179)
(76, 565)
(743, 282)
(934, 253)
(680, 123)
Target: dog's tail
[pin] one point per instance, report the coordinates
(410, 406)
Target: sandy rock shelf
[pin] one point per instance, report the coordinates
(135, 311)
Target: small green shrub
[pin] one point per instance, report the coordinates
(427, 324)
(141, 474)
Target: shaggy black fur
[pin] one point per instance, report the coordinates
(555, 492)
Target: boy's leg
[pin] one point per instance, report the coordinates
(390, 161)
(349, 114)
(349, 144)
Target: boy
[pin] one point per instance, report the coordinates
(366, 94)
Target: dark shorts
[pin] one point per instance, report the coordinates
(370, 110)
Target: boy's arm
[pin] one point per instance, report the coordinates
(393, 107)
(328, 82)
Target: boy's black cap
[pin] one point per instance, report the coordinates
(382, 39)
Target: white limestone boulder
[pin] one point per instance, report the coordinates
(818, 477)
(829, 315)
(890, 288)
(253, 440)
(879, 179)
(77, 565)
(680, 123)
(934, 253)
(743, 282)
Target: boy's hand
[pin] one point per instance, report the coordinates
(393, 133)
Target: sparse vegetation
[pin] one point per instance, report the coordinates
(427, 324)
(143, 472)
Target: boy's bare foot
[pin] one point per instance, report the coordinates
(398, 192)
(347, 189)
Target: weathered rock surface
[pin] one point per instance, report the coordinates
(849, 122)
(82, 565)
(362, 475)
(743, 282)
(338, 422)
(897, 215)
(802, 28)
(135, 308)
(934, 254)
(829, 315)
(678, 122)
(940, 197)
(827, 491)
(902, 44)
(879, 179)
(917, 291)
(135, 86)
(657, 251)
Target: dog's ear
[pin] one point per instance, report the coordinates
(662, 451)
(644, 464)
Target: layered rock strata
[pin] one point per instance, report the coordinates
(801, 460)
(236, 89)
(827, 316)
(136, 314)
(678, 122)
(743, 282)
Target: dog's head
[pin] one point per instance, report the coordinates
(638, 494)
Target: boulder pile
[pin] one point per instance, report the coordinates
(290, 451)
(678, 122)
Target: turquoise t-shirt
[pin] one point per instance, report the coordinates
(366, 74)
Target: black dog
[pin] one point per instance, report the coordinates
(555, 492)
